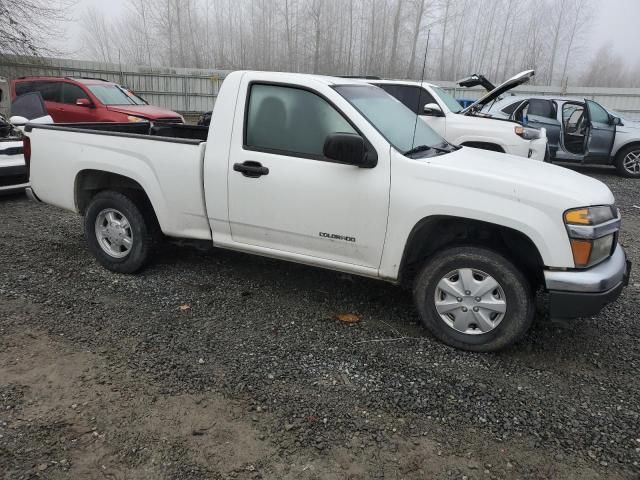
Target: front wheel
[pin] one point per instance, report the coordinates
(628, 162)
(118, 233)
(473, 298)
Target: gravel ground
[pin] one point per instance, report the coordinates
(214, 364)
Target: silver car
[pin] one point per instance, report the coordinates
(578, 130)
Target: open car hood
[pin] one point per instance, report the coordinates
(519, 79)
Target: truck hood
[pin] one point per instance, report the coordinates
(529, 181)
(519, 79)
(148, 112)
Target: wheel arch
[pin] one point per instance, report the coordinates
(621, 148)
(434, 233)
(88, 183)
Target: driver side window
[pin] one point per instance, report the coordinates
(597, 113)
(290, 121)
(71, 93)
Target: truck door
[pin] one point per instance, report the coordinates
(601, 134)
(283, 194)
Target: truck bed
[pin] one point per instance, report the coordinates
(158, 131)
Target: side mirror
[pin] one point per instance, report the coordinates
(617, 121)
(18, 120)
(84, 102)
(348, 148)
(433, 110)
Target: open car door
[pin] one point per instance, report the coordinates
(29, 107)
(601, 134)
(540, 113)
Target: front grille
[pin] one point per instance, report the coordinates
(168, 120)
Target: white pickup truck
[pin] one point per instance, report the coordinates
(324, 171)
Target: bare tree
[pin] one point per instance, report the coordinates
(379, 37)
(98, 35)
(27, 27)
(578, 18)
(418, 15)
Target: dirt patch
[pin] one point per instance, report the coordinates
(105, 421)
(68, 413)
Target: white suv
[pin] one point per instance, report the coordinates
(467, 126)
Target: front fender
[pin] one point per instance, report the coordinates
(420, 190)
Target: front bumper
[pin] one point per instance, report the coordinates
(538, 149)
(583, 293)
(533, 149)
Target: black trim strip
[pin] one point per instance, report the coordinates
(82, 128)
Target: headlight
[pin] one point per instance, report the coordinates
(133, 119)
(590, 215)
(527, 133)
(592, 233)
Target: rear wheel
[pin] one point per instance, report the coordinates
(628, 162)
(473, 298)
(118, 233)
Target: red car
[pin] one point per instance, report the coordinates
(84, 100)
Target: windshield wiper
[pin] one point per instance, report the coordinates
(426, 148)
(418, 149)
(447, 147)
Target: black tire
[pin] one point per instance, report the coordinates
(619, 161)
(519, 297)
(142, 227)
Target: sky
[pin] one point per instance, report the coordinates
(615, 22)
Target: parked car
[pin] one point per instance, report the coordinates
(328, 172)
(13, 169)
(578, 129)
(462, 126)
(84, 100)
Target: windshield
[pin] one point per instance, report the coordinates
(451, 103)
(115, 95)
(390, 117)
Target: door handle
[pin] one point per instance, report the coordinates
(251, 169)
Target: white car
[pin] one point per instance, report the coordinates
(13, 169)
(465, 127)
(328, 172)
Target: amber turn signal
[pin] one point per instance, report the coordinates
(579, 216)
(581, 251)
